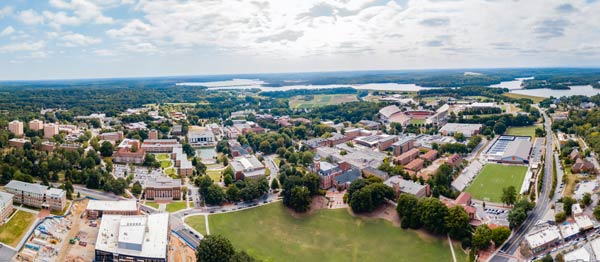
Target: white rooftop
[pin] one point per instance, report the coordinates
(542, 237)
(139, 236)
(101, 205)
(579, 254)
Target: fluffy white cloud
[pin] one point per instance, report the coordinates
(74, 39)
(31, 17)
(6, 11)
(84, 10)
(29, 46)
(7, 31)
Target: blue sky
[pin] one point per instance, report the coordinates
(116, 38)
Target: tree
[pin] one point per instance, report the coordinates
(481, 238)
(499, 235)
(227, 179)
(433, 214)
(214, 195)
(597, 212)
(587, 199)
(509, 195)
(567, 204)
(233, 194)
(516, 217)
(547, 258)
(188, 150)
(242, 257)
(539, 132)
(215, 248)
(203, 182)
(560, 217)
(457, 222)
(300, 200)
(499, 128)
(150, 160)
(408, 211)
(136, 189)
(107, 149)
(274, 184)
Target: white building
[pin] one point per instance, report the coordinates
(467, 130)
(133, 238)
(201, 136)
(541, 239)
(247, 167)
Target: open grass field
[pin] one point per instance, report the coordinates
(522, 131)
(171, 172)
(321, 100)
(176, 206)
(493, 178)
(152, 204)
(165, 163)
(197, 223)
(12, 232)
(417, 121)
(215, 175)
(161, 157)
(535, 99)
(271, 233)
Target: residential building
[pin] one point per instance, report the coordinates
(408, 156)
(130, 152)
(415, 165)
(36, 125)
(467, 130)
(431, 155)
(160, 145)
(582, 166)
(370, 171)
(182, 163)
(18, 142)
(50, 130)
(401, 185)
(454, 160)
(98, 208)
(6, 206)
(16, 127)
(247, 167)
(36, 195)
(403, 145)
(112, 136)
(153, 134)
(163, 188)
(133, 238)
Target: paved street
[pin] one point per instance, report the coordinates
(508, 251)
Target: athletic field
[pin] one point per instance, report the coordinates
(493, 178)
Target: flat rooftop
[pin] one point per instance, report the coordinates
(139, 236)
(120, 205)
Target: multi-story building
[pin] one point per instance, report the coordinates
(50, 130)
(408, 156)
(133, 238)
(129, 151)
(163, 188)
(401, 185)
(112, 136)
(160, 145)
(6, 206)
(247, 167)
(16, 127)
(201, 136)
(18, 142)
(36, 195)
(36, 124)
(153, 134)
(98, 208)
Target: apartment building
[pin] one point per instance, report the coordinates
(36, 195)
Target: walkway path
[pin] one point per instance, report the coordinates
(206, 224)
(451, 248)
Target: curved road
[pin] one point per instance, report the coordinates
(510, 247)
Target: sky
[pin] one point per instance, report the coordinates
(64, 39)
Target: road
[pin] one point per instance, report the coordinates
(510, 247)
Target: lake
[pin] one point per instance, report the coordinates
(586, 90)
(512, 85)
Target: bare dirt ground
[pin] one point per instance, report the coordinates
(80, 228)
(180, 252)
(386, 211)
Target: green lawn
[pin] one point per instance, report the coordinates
(12, 232)
(215, 175)
(493, 178)
(161, 157)
(165, 163)
(176, 206)
(535, 99)
(270, 233)
(152, 204)
(171, 172)
(522, 131)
